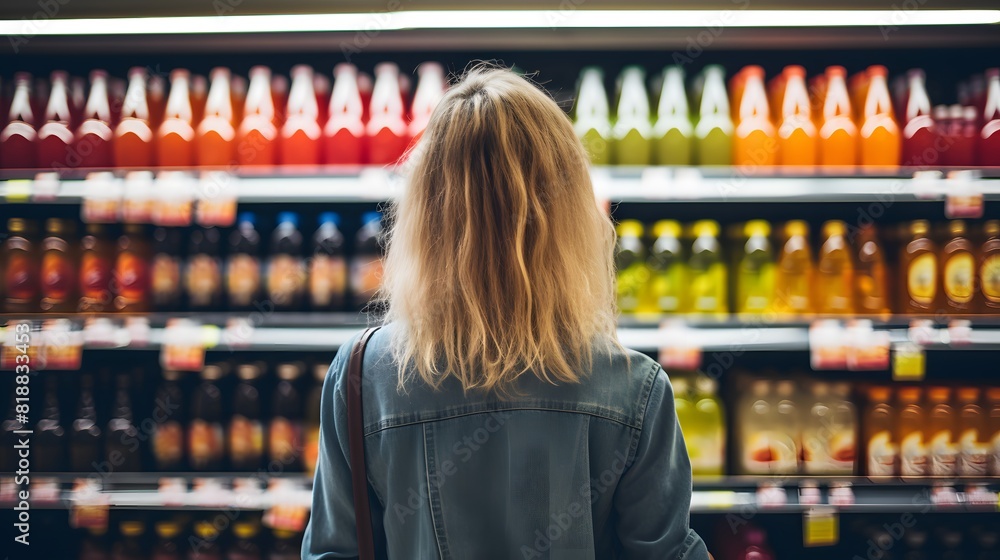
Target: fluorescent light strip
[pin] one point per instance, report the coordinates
(495, 19)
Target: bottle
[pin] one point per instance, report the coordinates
(85, 433)
(18, 137)
(97, 257)
(94, 136)
(988, 268)
(818, 431)
(284, 434)
(205, 442)
(918, 126)
(870, 276)
(835, 272)
(55, 137)
(794, 276)
(168, 413)
(165, 272)
(167, 547)
(989, 135)
(842, 442)
(430, 91)
(207, 542)
(913, 460)
(709, 427)
(156, 99)
(49, 440)
(941, 433)
(246, 432)
(245, 547)
(882, 447)
(633, 271)
(958, 271)
(879, 135)
(673, 131)
(130, 546)
(632, 131)
(310, 451)
(668, 278)
(203, 275)
(301, 133)
(963, 149)
(838, 135)
(243, 275)
(285, 545)
(993, 433)
(755, 141)
(592, 117)
(768, 447)
(257, 135)
(366, 265)
(386, 132)
(797, 137)
(121, 436)
(344, 133)
(20, 268)
(686, 418)
(131, 272)
(199, 96)
(788, 419)
(328, 266)
(133, 138)
(175, 137)
(918, 265)
(58, 272)
(707, 270)
(285, 268)
(215, 138)
(972, 422)
(94, 545)
(755, 280)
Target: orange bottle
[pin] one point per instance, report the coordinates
(794, 279)
(835, 272)
(131, 272)
(257, 136)
(17, 140)
(387, 133)
(913, 460)
(301, 134)
(156, 100)
(55, 138)
(215, 137)
(918, 268)
(838, 135)
(871, 296)
(344, 133)
(755, 142)
(879, 134)
(94, 136)
(133, 144)
(175, 137)
(796, 131)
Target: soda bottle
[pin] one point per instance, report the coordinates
(366, 265)
(988, 268)
(243, 264)
(85, 441)
(754, 142)
(131, 271)
(20, 268)
(17, 140)
(673, 131)
(941, 433)
(175, 136)
(165, 273)
(246, 432)
(835, 272)
(430, 90)
(919, 271)
(58, 274)
(918, 126)
(203, 274)
(796, 131)
(285, 269)
(794, 276)
(755, 280)
(94, 136)
(592, 119)
(879, 134)
(633, 272)
(882, 448)
(973, 428)
(121, 432)
(55, 137)
(168, 435)
(989, 135)
(632, 131)
(284, 434)
(133, 141)
(205, 437)
(97, 259)
(667, 268)
(870, 277)
(713, 135)
(958, 271)
(215, 137)
(328, 267)
(386, 132)
(257, 136)
(49, 440)
(343, 135)
(300, 135)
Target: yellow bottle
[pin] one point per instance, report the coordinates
(793, 281)
(835, 272)
(633, 273)
(667, 269)
(708, 429)
(755, 283)
(707, 270)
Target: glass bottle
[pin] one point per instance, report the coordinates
(941, 433)
(918, 267)
(165, 272)
(755, 280)
(988, 268)
(175, 136)
(835, 272)
(958, 271)
(870, 286)
(18, 138)
(284, 438)
(882, 447)
(58, 273)
(910, 426)
(122, 441)
(49, 439)
(131, 272)
(328, 266)
(633, 272)
(215, 136)
(203, 274)
(285, 268)
(672, 130)
(133, 138)
(55, 137)
(168, 413)
(205, 439)
(633, 131)
(97, 259)
(94, 135)
(246, 432)
(592, 118)
(20, 268)
(85, 438)
(795, 271)
(257, 136)
(243, 277)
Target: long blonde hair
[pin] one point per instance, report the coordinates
(499, 261)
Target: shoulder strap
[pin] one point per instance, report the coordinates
(356, 440)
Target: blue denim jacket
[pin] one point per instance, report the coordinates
(595, 470)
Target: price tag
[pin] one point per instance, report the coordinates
(172, 491)
(174, 199)
(238, 332)
(964, 198)
(45, 490)
(868, 349)
(285, 514)
(908, 362)
(183, 346)
(979, 495)
(216, 206)
(18, 191)
(654, 182)
(689, 183)
(99, 332)
(841, 495)
(960, 332)
(19, 349)
(101, 198)
(137, 208)
(828, 345)
(374, 183)
(8, 490)
(771, 495)
(63, 345)
(46, 187)
(810, 496)
(922, 332)
(138, 331)
(820, 527)
(944, 495)
(681, 351)
(927, 184)
(208, 492)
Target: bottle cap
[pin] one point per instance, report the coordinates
(369, 217)
(956, 227)
(329, 218)
(969, 113)
(300, 70)
(836, 71)
(134, 229)
(289, 218)
(968, 394)
(180, 74)
(167, 529)
(211, 373)
(289, 372)
(993, 393)
(820, 389)
(260, 71)
(247, 372)
(206, 530)
(992, 227)
(834, 227)
(798, 228)
(220, 72)
(98, 74)
(879, 393)
(915, 73)
(909, 394)
(680, 387)
(247, 217)
(671, 228)
(940, 113)
(877, 70)
(629, 228)
(131, 528)
(706, 385)
(785, 388)
(753, 71)
(171, 374)
(246, 529)
(919, 227)
(757, 227)
(705, 227)
(795, 71)
(282, 534)
(939, 394)
(841, 389)
(55, 226)
(761, 387)
(17, 225)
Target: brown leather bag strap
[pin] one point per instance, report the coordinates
(356, 440)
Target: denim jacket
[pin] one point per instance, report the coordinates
(593, 470)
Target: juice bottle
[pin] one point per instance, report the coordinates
(708, 428)
(870, 276)
(328, 266)
(130, 547)
(97, 257)
(55, 137)
(387, 135)
(18, 137)
(668, 278)
(755, 140)
(707, 270)
(121, 433)
(344, 133)
(20, 268)
(794, 276)
(85, 439)
(166, 270)
(958, 271)
(366, 265)
(285, 268)
(941, 433)
(673, 131)
(167, 547)
(243, 275)
(257, 136)
(168, 435)
(796, 131)
(284, 433)
(245, 546)
(592, 118)
(632, 130)
(835, 272)
(918, 126)
(203, 274)
(430, 90)
(686, 417)
(988, 268)
(301, 133)
(838, 135)
(973, 427)
(310, 451)
(989, 135)
(49, 440)
(175, 137)
(633, 272)
(246, 431)
(94, 136)
(205, 436)
(913, 459)
(880, 434)
(133, 138)
(879, 134)
(769, 447)
(993, 433)
(755, 280)
(215, 136)
(58, 274)
(919, 270)
(131, 271)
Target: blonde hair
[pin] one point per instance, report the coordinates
(499, 261)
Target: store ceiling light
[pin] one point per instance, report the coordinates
(495, 19)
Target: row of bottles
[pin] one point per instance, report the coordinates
(224, 121)
(831, 120)
(240, 539)
(685, 270)
(136, 271)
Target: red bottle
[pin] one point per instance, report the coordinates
(17, 140)
(257, 136)
(430, 90)
(19, 258)
(387, 134)
(55, 137)
(77, 101)
(93, 138)
(279, 94)
(301, 134)
(133, 145)
(962, 133)
(989, 136)
(918, 126)
(216, 136)
(321, 85)
(199, 96)
(175, 137)
(343, 135)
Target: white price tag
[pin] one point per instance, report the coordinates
(964, 196)
(655, 182)
(102, 198)
(138, 199)
(46, 187)
(99, 332)
(217, 193)
(867, 348)
(174, 199)
(63, 344)
(828, 343)
(183, 348)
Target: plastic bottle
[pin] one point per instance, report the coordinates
(918, 126)
(633, 271)
(94, 136)
(246, 431)
(755, 139)
(167, 439)
(18, 137)
(709, 429)
(989, 135)
(835, 272)
(257, 135)
(919, 271)
(673, 131)
(20, 268)
(755, 278)
(768, 447)
(941, 433)
(121, 436)
(879, 134)
(85, 436)
(55, 137)
(797, 137)
(176, 136)
(707, 271)
(58, 273)
(795, 270)
(913, 460)
(328, 266)
(972, 422)
(301, 134)
(205, 435)
(870, 286)
(387, 135)
(430, 90)
(838, 135)
(133, 138)
(366, 265)
(243, 269)
(166, 270)
(285, 285)
(632, 131)
(958, 271)
(881, 441)
(48, 443)
(203, 273)
(284, 433)
(215, 138)
(988, 268)
(592, 121)
(344, 133)
(668, 277)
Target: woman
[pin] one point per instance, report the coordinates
(519, 427)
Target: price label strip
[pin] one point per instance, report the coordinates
(820, 527)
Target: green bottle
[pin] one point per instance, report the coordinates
(673, 130)
(713, 134)
(593, 118)
(707, 271)
(755, 282)
(632, 131)
(633, 273)
(667, 268)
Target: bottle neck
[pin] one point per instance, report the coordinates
(97, 105)
(918, 103)
(302, 97)
(673, 99)
(991, 111)
(220, 101)
(20, 105)
(135, 98)
(387, 99)
(179, 100)
(345, 99)
(837, 102)
(259, 100)
(57, 109)
(592, 103)
(878, 102)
